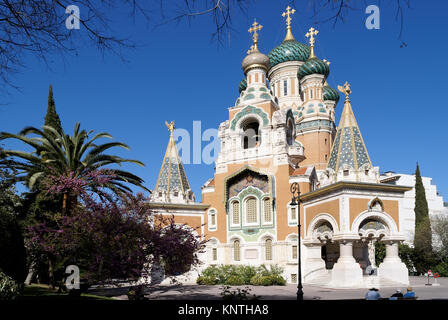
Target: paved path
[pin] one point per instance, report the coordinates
(288, 292)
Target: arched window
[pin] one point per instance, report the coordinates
(268, 249)
(251, 210)
(236, 250)
(251, 134)
(235, 212)
(290, 132)
(267, 210)
(212, 218)
(285, 87)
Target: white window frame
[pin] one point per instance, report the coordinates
(232, 200)
(265, 249)
(257, 210)
(290, 220)
(263, 212)
(212, 227)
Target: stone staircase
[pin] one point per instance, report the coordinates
(324, 281)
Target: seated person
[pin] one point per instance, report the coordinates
(373, 294)
(409, 293)
(396, 295)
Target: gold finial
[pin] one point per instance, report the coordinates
(310, 34)
(170, 126)
(288, 14)
(345, 90)
(255, 27)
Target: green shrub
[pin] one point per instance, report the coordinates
(206, 280)
(247, 272)
(235, 281)
(442, 269)
(9, 289)
(278, 280)
(242, 274)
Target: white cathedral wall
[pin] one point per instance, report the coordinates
(407, 215)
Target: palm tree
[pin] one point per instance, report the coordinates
(57, 154)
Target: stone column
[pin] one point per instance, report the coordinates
(346, 271)
(392, 268)
(313, 264)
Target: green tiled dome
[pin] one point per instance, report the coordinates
(331, 94)
(243, 85)
(313, 66)
(289, 50)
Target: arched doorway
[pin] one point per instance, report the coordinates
(323, 232)
(371, 230)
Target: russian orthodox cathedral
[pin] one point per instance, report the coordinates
(282, 131)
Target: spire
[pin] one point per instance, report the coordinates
(288, 14)
(310, 34)
(349, 150)
(172, 184)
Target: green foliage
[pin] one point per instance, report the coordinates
(9, 289)
(235, 281)
(380, 252)
(442, 268)
(242, 275)
(12, 248)
(237, 294)
(52, 118)
(206, 280)
(406, 255)
(423, 234)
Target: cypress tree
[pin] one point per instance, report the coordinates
(52, 118)
(423, 234)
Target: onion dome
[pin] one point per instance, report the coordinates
(289, 50)
(330, 94)
(255, 59)
(243, 85)
(313, 66)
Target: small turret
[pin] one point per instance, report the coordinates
(172, 184)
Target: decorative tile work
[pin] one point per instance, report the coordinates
(289, 50)
(313, 66)
(250, 110)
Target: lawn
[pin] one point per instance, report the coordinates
(44, 292)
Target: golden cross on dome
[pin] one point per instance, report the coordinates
(255, 27)
(288, 14)
(310, 34)
(345, 90)
(170, 126)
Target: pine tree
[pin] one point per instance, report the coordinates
(423, 234)
(52, 118)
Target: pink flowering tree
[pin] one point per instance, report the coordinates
(111, 241)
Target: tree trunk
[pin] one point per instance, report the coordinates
(64, 204)
(51, 273)
(30, 275)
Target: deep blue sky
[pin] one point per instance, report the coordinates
(180, 74)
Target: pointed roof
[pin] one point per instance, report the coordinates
(172, 175)
(348, 148)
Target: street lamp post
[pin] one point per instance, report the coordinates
(295, 191)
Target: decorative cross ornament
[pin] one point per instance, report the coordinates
(310, 34)
(345, 89)
(288, 14)
(170, 126)
(255, 27)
